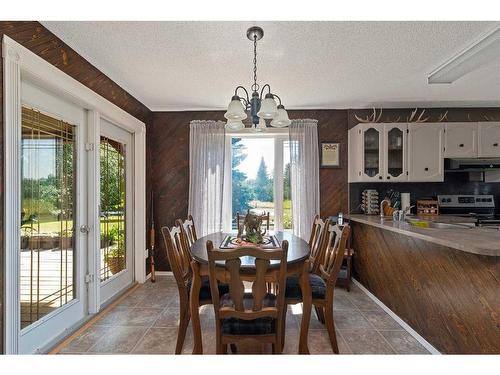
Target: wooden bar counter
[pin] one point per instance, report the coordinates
(450, 296)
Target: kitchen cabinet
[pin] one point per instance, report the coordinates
(354, 155)
(394, 152)
(426, 152)
(377, 153)
(461, 140)
(489, 140)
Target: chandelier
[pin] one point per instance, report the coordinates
(261, 109)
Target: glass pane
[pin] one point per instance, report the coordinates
(287, 192)
(253, 177)
(371, 147)
(113, 244)
(395, 152)
(48, 186)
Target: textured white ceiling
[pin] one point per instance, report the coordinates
(196, 65)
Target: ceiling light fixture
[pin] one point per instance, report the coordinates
(261, 109)
(482, 52)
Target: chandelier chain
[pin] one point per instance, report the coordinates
(255, 86)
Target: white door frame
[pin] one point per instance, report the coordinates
(19, 61)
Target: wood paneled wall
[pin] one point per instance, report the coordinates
(42, 42)
(168, 165)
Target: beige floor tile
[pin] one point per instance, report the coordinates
(350, 319)
(403, 343)
(86, 340)
(169, 317)
(366, 341)
(118, 339)
(319, 343)
(158, 340)
(381, 320)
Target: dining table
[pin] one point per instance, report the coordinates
(297, 264)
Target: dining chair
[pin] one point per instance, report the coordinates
(179, 258)
(244, 315)
(316, 242)
(240, 219)
(188, 230)
(323, 284)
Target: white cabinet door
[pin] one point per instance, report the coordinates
(372, 152)
(395, 152)
(355, 154)
(425, 152)
(489, 139)
(460, 140)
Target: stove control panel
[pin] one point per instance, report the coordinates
(466, 200)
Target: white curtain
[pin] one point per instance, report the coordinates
(304, 175)
(206, 175)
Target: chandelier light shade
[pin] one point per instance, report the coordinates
(235, 125)
(235, 110)
(281, 120)
(268, 108)
(261, 109)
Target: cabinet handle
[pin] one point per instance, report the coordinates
(461, 145)
(495, 144)
(388, 177)
(426, 169)
(379, 177)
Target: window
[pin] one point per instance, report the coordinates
(260, 178)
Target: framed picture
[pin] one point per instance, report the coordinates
(330, 155)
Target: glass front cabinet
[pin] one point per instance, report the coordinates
(378, 153)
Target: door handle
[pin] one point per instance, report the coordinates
(461, 145)
(426, 169)
(85, 229)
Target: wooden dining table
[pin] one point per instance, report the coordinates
(297, 264)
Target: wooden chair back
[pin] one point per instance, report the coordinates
(336, 243)
(188, 230)
(178, 255)
(317, 241)
(228, 270)
(240, 219)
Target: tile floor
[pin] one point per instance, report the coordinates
(146, 323)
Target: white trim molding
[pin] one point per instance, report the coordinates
(12, 219)
(400, 321)
(19, 63)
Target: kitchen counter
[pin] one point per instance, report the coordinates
(476, 240)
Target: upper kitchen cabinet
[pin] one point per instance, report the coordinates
(489, 140)
(425, 152)
(377, 152)
(460, 140)
(395, 153)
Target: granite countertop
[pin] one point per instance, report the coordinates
(476, 240)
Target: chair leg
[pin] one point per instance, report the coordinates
(320, 314)
(234, 349)
(183, 325)
(330, 326)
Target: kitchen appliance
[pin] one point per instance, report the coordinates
(479, 206)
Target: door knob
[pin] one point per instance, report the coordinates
(495, 144)
(461, 145)
(426, 169)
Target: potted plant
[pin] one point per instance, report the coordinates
(27, 229)
(115, 259)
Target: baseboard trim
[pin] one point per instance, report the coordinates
(160, 273)
(400, 321)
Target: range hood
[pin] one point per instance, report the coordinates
(480, 170)
(471, 165)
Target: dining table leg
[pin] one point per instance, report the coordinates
(306, 309)
(194, 302)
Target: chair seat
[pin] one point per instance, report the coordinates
(260, 326)
(293, 290)
(205, 293)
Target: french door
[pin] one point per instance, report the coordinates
(52, 249)
(116, 266)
